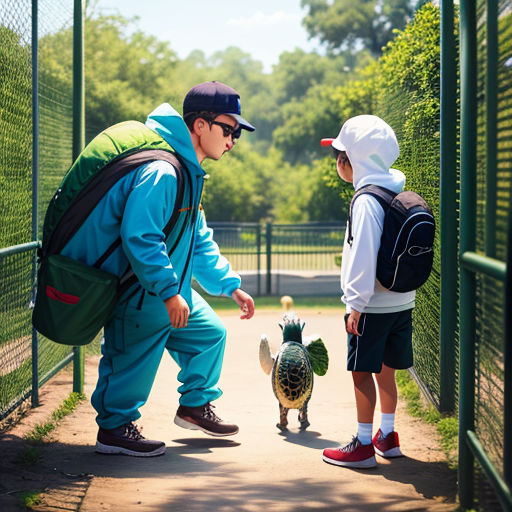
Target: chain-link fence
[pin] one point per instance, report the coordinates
(42, 79)
(410, 103)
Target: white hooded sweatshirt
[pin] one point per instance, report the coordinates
(371, 147)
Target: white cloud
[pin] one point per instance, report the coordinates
(260, 19)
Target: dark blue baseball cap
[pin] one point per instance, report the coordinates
(215, 97)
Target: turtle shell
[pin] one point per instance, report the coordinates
(292, 375)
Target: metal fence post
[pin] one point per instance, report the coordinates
(258, 259)
(467, 243)
(35, 177)
(268, 236)
(491, 93)
(78, 144)
(448, 216)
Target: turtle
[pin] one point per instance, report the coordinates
(292, 368)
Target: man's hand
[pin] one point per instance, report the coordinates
(178, 311)
(246, 303)
(353, 321)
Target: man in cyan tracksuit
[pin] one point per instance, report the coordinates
(162, 311)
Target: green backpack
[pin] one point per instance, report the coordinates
(74, 300)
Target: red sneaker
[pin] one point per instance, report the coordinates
(388, 446)
(352, 455)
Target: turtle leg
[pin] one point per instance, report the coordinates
(303, 416)
(283, 420)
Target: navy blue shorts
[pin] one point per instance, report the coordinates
(385, 338)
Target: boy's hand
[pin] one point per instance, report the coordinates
(246, 303)
(178, 311)
(353, 321)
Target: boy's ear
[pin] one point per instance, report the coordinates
(198, 126)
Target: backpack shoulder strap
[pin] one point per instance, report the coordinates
(129, 278)
(383, 195)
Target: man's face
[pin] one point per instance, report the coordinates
(216, 137)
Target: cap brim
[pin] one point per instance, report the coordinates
(336, 143)
(242, 122)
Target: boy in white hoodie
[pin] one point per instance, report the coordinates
(378, 321)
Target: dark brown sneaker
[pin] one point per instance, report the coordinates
(127, 440)
(203, 418)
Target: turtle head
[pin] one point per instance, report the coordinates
(292, 328)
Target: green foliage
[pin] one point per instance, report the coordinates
(30, 455)
(309, 304)
(447, 426)
(68, 406)
(352, 25)
(280, 171)
(16, 139)
(321, 113)
(13, 382)
(40, 431)
(30, 499)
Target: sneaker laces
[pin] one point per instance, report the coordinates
(133, 431)
(209, 414)
(350, 447)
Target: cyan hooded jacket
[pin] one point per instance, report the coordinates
(137, 209)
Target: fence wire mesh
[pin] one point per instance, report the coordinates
(55, 127)
(414, 115)
(55, 97)
(15, 122)
(16, 143)
(15, 329)
(489, 382)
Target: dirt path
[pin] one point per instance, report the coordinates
(258, 469)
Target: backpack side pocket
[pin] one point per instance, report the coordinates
(73, 300)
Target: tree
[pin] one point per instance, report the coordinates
(320, 114)
(353, 25)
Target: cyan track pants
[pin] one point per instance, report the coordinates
(135, 340)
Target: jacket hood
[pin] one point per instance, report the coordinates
(371, 147)
(165, 121)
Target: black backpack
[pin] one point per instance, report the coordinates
(406, 250)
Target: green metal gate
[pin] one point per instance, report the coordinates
(278, 259)
(485, 385)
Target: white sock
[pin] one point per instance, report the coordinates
(387, 423)
(364, 432)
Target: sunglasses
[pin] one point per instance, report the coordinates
(228, 130)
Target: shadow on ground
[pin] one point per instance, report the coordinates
(66, 470)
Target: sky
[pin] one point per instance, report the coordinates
(262, 28)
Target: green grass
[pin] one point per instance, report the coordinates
(42, 430)
(447, 426)
(262, 304)
(30, 499)
(31, 454)
(13, 384)
(225, 303)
